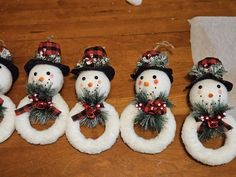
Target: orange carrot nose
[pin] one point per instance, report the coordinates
(90, 84)
(41, 79)
(210, 95)
(146, 84)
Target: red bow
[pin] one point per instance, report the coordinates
(154, 107)
(90, 111)
(1, 101)
(38, 104)
(213, 122)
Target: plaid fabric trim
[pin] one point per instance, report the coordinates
(1, 101)
(95, 52)
(49, 48)
(150, 53)
(207, 62)
(27, 108)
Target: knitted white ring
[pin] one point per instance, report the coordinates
(137, 143)
(209, 156)
(89, 145)
(7, 126)
(46, 136)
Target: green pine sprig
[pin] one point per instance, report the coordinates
(41, 116)
(2, 109)
(93, 99)
(148, 121)
(209, 133)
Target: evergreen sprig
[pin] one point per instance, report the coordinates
(41, 116)
(93, 99)
(148, 121)
(216, 109)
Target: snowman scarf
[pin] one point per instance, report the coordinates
(41, 107)
(152, 111)
(92, 114)
(212, 119)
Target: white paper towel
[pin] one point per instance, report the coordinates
(216, 37)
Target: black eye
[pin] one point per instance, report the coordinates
(83, 78)
(154, 76)
(218, 86)
(48, 73)
(35, 73)
(0, 66)
(200, 86)
(141, 77)
(95, 77)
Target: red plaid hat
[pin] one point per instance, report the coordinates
(95, 58)
(48, 53)
(204, 68)
(6, 60)
(152, 59)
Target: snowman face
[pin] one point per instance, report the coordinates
(208, 92)
(92, 81)
(153, 82)
(5, 79)
(46, 75)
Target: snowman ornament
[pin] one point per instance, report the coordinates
(7, 107)
(43, 103)
(208, 97)
(92, 88)
(150, 108)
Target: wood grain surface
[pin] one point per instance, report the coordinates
(126, 32)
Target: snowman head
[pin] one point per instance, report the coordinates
(6, 79)
(208, 92)
(46, 75)
(92, 81)
(153, 82)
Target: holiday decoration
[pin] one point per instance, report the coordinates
(94, 74)
(151, 107)
(9, 73)
(44, 103)
(208, 96)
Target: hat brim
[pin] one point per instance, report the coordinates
(227, 84)
(107, 70)
(33, 62)
(168, 71)
(13, 69)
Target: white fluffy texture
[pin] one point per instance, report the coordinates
(207, 91)
(5, 79)
(216, 37)
(88, 145)
(49, 135)
(7, 126)
(46, 75)
(153, 87)
(91, 81)
(137, 143)
(205, 155)
(135, 2)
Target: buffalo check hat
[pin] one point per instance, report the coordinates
(209, 68)
(95, 58)
(152, 59)
(6, 60)
(48, 53)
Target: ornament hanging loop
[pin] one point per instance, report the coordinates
(50, 38)
(2, 43)
(164, 46)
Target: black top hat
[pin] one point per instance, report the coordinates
(48, 53)
(95, 58)
(209, 68)
(5, 59)
(153, 59)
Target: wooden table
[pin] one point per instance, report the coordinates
(126, 31)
